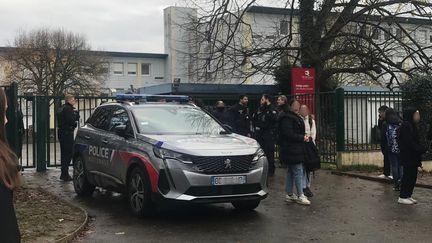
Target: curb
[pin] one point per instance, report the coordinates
(71, 236)
(371, 178)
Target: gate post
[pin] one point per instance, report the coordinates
(340, 120)
(41, 128)
(12, 115)
(340, 125)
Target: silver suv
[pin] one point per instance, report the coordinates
(163, 147)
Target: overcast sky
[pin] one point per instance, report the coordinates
(110, 25)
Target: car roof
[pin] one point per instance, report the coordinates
(128, 105)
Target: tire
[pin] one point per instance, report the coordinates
(139, 194)
(249, 205)
(81, 184)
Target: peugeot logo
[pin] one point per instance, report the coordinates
(227, 163)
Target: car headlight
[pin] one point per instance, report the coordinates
(258, 155)
(169, 154)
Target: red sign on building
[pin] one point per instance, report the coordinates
(303, 81)
(303, 86)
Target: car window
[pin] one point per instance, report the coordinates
(182, 120)
(119, 117)
(100, 118)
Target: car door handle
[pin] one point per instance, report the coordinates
(105, 141)
(87, 137)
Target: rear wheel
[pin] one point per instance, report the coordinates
(139, 194)
(248, 205)
(81, 184)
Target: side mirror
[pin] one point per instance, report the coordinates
(120, 130)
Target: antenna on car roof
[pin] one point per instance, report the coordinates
(137, 98)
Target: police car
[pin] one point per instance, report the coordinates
(164, 147)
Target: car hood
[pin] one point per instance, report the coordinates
(206, 145)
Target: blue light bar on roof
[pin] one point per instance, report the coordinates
(152, 98)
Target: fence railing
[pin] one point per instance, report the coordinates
(361, 116)
(41, 112)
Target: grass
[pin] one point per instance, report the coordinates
(42, 217)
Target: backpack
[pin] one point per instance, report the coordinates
(392, 135)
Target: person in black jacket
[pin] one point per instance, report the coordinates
(219, 112)
(264, 121)
(383, 129)
(411, 152)
(67, 119)
(240, 119)
(292, 139)
(9, 180)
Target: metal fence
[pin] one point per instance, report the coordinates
(40, 111)
(361, 131)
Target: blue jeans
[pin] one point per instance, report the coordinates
(294, 177)
(396, 168)
(307, 178)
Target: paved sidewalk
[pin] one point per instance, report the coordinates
(343, 210)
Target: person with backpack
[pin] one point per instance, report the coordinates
(383, 141)
(67, 120)
(393, 123)
(411, 151)
(292, 139)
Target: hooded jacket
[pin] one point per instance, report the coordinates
(291, 129)
(411, 150)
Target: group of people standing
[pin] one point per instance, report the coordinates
(288, 124)
(402, 150)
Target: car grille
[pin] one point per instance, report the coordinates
(202, 191)
(223, 165)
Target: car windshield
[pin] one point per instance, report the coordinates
(176, 120)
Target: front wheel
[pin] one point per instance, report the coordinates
(81, 184)
(139, 195)
(248, 205)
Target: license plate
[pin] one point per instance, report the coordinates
(228, 180)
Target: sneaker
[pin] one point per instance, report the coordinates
(413, 200)
(405, 201)
(291, 198)
(382, 176)
(303, 200)
(390, 177)
(307, 191)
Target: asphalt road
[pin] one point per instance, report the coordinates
(343, 210)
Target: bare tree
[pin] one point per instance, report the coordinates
(53, 62)
(365, 38)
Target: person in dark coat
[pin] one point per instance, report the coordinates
(383, 141)
(219, 112)
(239, 117)
(392, 126)
(9, 180)
(292, 139)
(264, 121)
(67, 119)
(411, 152)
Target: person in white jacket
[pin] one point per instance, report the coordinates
(310, 130)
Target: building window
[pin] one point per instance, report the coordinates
(284, 26)
(388, 33)
(399, 34)
(422, 36)
(145, 68)
(118, 68)
(376, 33)
(132, 68)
